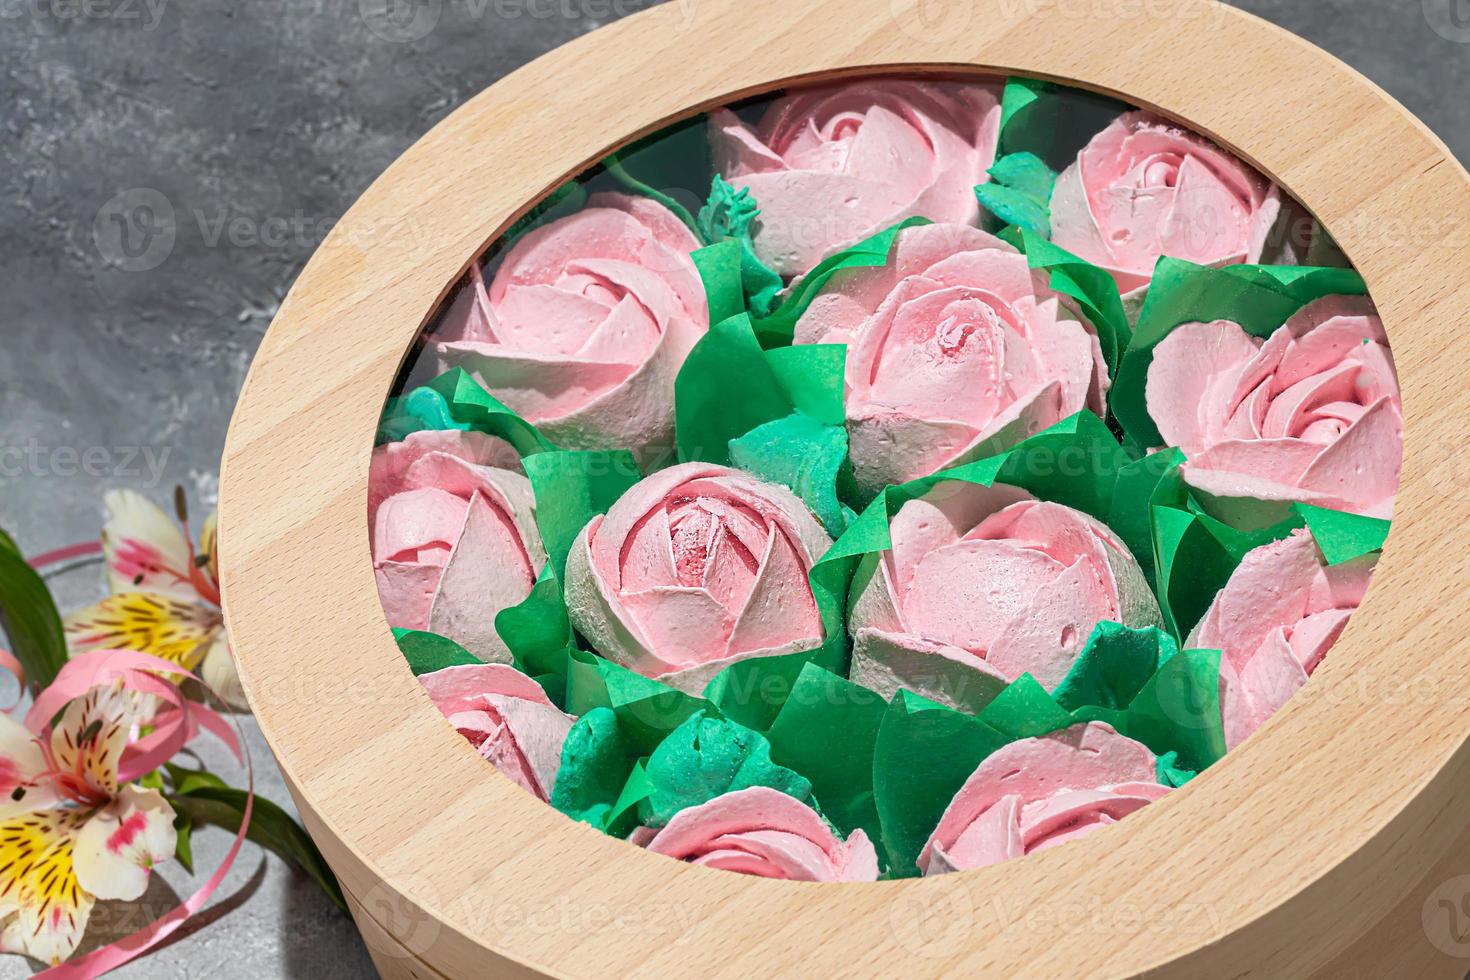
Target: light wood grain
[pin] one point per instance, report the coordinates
(1331, 820)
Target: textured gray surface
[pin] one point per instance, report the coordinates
(166, 167)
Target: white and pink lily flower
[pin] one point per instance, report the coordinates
(72, 832)
(165, 597)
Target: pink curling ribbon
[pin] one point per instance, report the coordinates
(175, 727)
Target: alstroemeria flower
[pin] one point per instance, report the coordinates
(69, 834)
(454, 537)
(1282, 610)
(1144, 187)
(763, 832)
(831, 166)
(984, 584)
(1036, 793)
(585, 325)
(1311, 413)
(956, 350)
(507, 717)
(165, 599)
(696, 567)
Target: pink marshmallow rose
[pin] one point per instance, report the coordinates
(1312, 413)
(956, 350)
(982, 585)
(507, 718)
(454, 537)
(763, 832)
(1282, 610)
(586, 324)
(831, 166)
(1034, 794)
(693, 569)
(1145, 188)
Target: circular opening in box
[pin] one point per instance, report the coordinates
(886, 478)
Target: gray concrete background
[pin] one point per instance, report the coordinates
(247, 128)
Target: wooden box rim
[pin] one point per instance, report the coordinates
(1294, 844)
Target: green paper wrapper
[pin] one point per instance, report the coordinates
(427, 652)
(1194, 554)
(1258, 297)
(1052, 121)
(1135, 680)
(570, 489)
(1093, 290)
(777, 414)
(778, 329)
(922, 755)
(827, 731)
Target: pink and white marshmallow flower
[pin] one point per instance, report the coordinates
(508, 719)
(763, 832)
(982, 585)
(585, 325)
(454, 537)
(1145, 188)
(1036, 793)
(831, 166)
(696, 567)
(1282, 610)
(956, 349)
(1311, 413)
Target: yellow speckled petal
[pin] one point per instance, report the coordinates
(43, 909)
(173, 629)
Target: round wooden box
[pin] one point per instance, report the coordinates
(1331, 844)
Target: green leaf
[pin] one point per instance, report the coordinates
(728, 216)
(270, 827)
(804, 455)
(427, 652)
(184, 841)
(29, 617)
(707, 757)
(597, 763)
(1019, 192)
